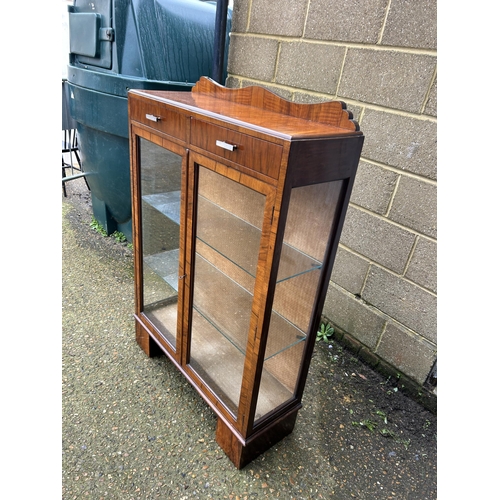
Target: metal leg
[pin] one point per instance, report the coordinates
(70, 146)
(63, 176)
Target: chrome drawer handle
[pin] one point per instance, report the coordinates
(226, 145)
(153, 118)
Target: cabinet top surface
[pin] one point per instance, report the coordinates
(259, 109)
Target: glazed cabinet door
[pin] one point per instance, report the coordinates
(230, 214)
(158, 244)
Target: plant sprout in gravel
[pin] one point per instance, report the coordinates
(325, 332)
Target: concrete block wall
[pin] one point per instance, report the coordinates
(380, 58)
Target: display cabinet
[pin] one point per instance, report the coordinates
(239, 197)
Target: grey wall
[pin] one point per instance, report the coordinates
(380, 58)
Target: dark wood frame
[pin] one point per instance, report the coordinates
(281, 145)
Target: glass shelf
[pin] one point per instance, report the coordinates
(165, 265)
(219, 363)
(232, 237)
(168, 203)
(239, 241)
(228, 235)
(226, 306)
(163, 315)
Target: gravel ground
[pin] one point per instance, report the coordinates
(133, 428)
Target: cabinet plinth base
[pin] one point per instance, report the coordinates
(242, 454)
(147, 344)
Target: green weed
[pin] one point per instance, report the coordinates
(387, 433)
(382, 415)
(369, 424)
(325, 332)
(119, 237)
(97, 226)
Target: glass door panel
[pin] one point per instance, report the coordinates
(309, 221)
(160, 209)
(228, 232)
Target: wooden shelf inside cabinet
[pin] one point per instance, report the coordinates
(239, 198)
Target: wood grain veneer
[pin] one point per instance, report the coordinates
(260, 222)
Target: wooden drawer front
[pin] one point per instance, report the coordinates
(158, 117)
(255, 154)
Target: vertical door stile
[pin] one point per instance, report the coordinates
(136, 227)
(189, 235)
(182, 259)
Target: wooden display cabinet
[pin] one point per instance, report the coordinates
(239, 197)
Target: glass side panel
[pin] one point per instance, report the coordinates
(308, 225)
(227, 243)
(160, 202)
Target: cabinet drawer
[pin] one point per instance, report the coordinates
(156, 116)
(255, 154)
